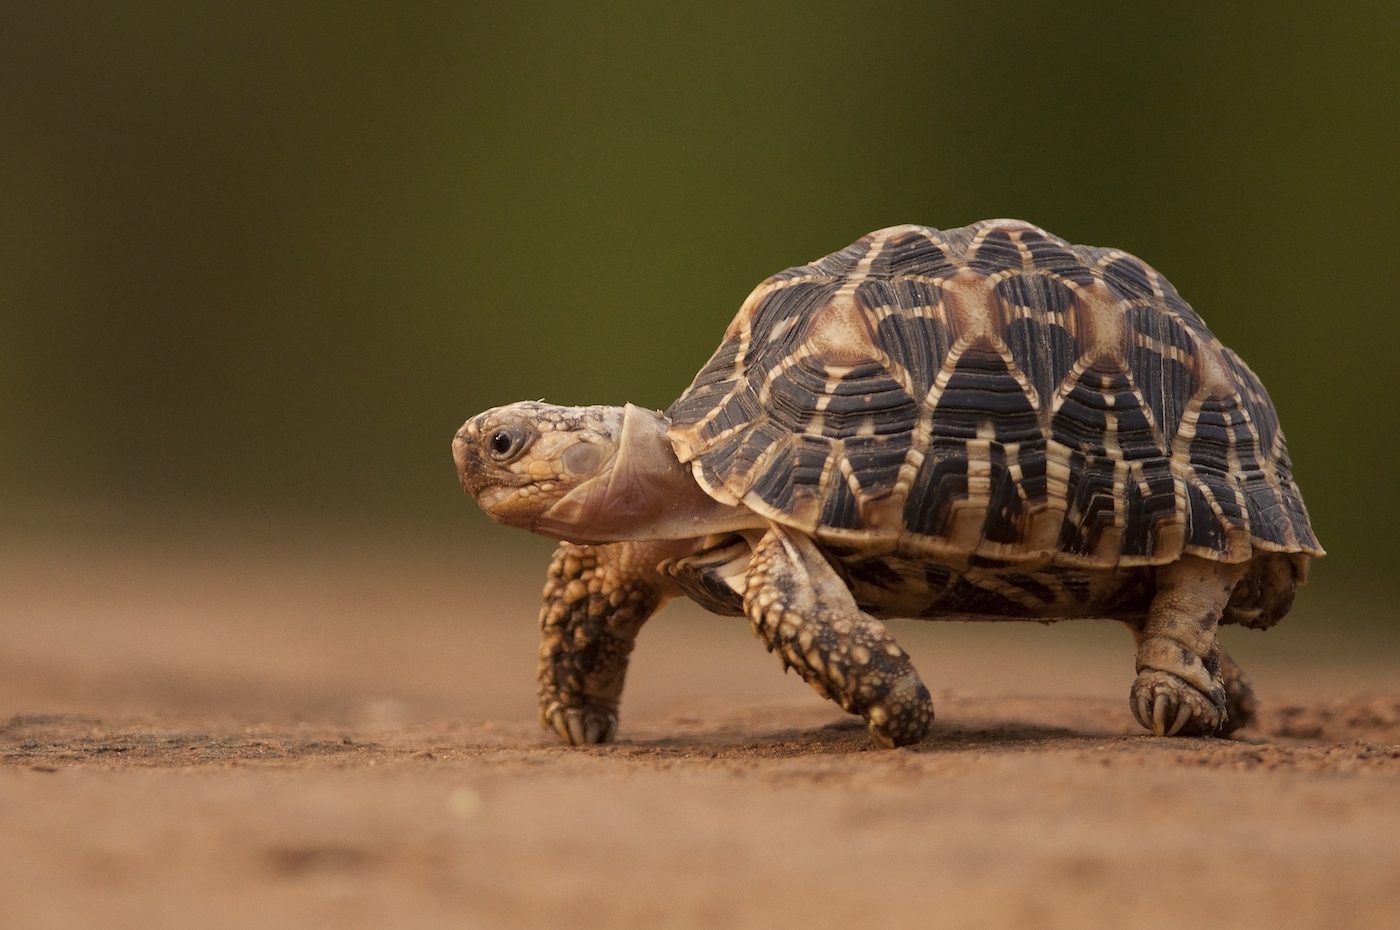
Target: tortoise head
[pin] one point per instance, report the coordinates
(585, 474)
(521, 460)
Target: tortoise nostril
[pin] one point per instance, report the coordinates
(461, 447)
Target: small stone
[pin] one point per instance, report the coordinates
(464, 803)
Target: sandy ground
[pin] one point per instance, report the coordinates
(292, 730)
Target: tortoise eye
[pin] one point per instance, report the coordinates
(502, 444)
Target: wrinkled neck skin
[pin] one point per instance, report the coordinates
(644, 493)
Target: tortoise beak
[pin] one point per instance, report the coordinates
(465, 454)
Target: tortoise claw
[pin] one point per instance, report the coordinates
(1169, 706)
(573, 722)
(553, 717)
(581, 726)
(1159, 715)
(1160, 708)
(596, 730)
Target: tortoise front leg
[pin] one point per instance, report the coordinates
(799, 606)
(596, 599)
(1181, 685)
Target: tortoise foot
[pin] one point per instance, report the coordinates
(1168, 706)
(901, 717)
(1240, 703)
(581, 726)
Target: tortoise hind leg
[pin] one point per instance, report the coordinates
(799, 606)
(1240, 702)
(1180, 687)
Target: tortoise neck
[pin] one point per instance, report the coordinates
(646, 493)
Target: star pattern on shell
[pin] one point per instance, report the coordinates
(991, 392)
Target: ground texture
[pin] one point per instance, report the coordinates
(298, 732)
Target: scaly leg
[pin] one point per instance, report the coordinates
(596, 599)
(799, 606)
(1180, 687)
(1240, 702)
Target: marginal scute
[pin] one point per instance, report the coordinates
(841, 510)
(991, 392)
(874, 462)
(792, 479)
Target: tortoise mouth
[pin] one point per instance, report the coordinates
(495, 501)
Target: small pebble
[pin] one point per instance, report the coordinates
(464, 802)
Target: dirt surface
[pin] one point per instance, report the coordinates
(287, 730)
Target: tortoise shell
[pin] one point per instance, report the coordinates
(994, 392)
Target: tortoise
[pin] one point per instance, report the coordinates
(976, 423)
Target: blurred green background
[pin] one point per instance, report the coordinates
(267, 257)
